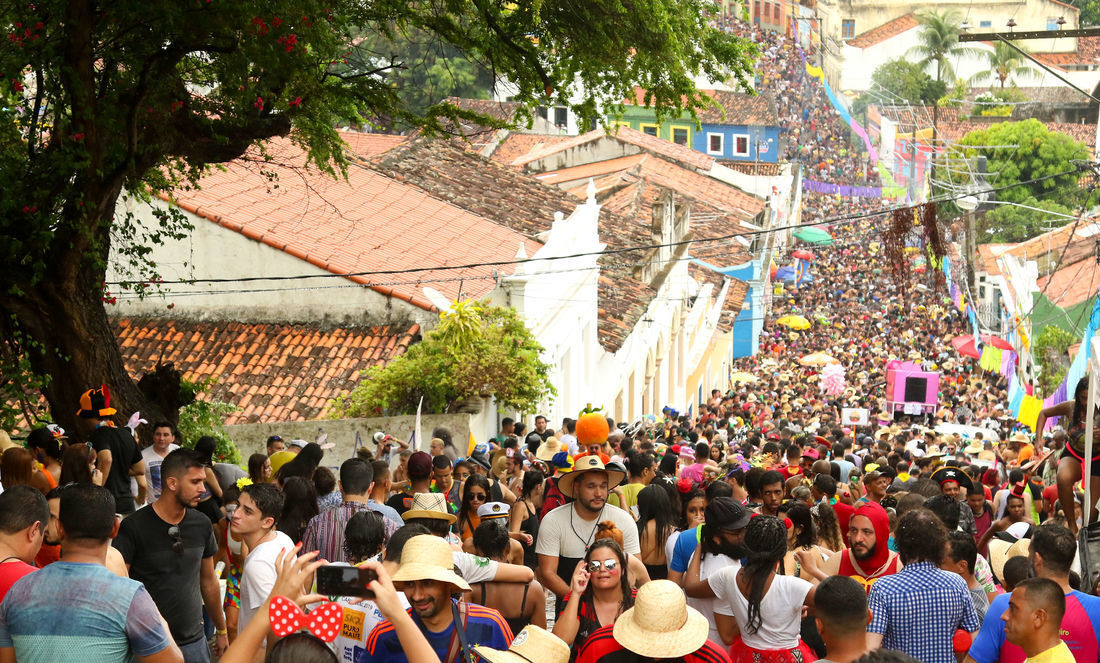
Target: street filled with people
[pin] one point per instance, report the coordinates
(793, 516)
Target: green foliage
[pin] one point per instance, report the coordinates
(1050, 351)
(1003, 63)
(478, 350)
(990, 105)
(1021, 152)
(1090, 12)
(202, 417)
(427, 69)
(19, 383)
(900, 81)
(938, 42)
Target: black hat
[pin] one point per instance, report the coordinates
(945, 474)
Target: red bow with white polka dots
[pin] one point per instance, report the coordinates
(286, 617)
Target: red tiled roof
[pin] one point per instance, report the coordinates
(500, 110)
(272, 372)
(1075, 283)
(735, 297)
(763, 169)
(367, 222)
(587, 170)
(748, 109)
(659, 146)
(515, 145)
(885, 31)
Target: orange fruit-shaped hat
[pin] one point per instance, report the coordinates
(592, 428)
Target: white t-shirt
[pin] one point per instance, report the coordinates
(780, 609)
(563, 533)
(474, 569)
(670, 546)
(710, 566)
(153, 481)
(258, 576)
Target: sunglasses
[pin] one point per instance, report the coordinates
(177, 540)
(608, 565)
(474, 497)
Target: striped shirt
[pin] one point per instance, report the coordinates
(484, 626)
(325, 531)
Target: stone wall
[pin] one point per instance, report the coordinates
(252, 438)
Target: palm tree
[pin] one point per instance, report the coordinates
(1003, 62)
(939, 41)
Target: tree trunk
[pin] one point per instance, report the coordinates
(70, 340)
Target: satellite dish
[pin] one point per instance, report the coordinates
(437, 299)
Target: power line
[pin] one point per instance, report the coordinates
(645, 247)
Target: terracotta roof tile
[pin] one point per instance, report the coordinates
(748, 109)
(515, 145)
(885, 31)
(659, 146)
(363, 223)
(289, 363)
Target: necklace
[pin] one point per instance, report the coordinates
(585, 540)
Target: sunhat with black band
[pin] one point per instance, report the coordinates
(429, 505)
(661, 625)
(427, 557)
(585, 465)
(532, 645)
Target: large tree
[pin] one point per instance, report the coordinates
(138, 96)
(1018, 153)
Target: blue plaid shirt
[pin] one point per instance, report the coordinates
(918, 609)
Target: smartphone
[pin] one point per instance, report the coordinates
(335, 580)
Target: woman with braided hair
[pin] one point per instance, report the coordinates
(767, 606)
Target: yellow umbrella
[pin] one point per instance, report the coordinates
(794, 322)
(818, 359)
(742, 377)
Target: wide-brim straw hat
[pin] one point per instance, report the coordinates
(547, 449)
(429, 505)
(584, 465)
(427, 557)
(974, 448)
(1000, 551)
(532, 645)
(661, 625)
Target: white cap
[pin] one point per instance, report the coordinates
(296, 442)
(493, 510)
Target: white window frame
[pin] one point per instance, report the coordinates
(721, 143)
(748, 145)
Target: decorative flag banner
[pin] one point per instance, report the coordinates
(846, 190)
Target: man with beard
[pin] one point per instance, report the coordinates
(867, 557)
(169, 547)
(720, 544)
(567, 531)
(429, 581)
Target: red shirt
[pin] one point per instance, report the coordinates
(10, 571)
(601, 647)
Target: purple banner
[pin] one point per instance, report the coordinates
(842, 189)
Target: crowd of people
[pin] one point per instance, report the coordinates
(756, 528)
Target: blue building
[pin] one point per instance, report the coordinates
(739, 128)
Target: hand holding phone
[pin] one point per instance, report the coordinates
(333, 580)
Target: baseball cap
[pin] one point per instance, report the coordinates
(420, 465)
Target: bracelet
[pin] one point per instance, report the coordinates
(221, 632)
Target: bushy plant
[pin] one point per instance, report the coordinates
(205, 417)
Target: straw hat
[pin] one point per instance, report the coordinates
(427, 557)
(974, 448)
(5, 441)
(661, 625)
(429, 505)
(584, 465)
(533, 644)
(1000, 551)
(548, 448)
(1022, 438)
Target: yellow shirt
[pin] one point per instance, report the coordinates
(1060, 653)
